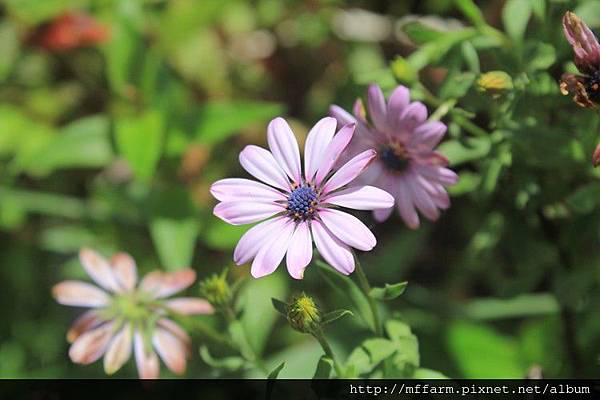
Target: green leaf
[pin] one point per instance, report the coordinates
(525, 305)
(471, 12)
(226, 363)
(220, 235)
(346, 287)
(280, 307)
(139, 140)
(589, 11)
(259, 315)
(457, 85)
(471, 57)
(388, 292)
(324, 368)
(273, 374)
(515, 16)
(358, 363)
(541, 57)
(420, 33)
(239, 337)
(460, 152)
(379, 349)
(82, 143)
(407, 356)
(174, 240)
(44, 203)
(334, 315)
(497, 355)
(219, 120)
(424, 373)
(585, 199)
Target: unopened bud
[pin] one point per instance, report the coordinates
(216, 290)
(303, 314)
(596, 156)
(495, 82)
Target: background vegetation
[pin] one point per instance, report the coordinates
(113, 144)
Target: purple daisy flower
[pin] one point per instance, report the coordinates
(301, 208)
(406, 165)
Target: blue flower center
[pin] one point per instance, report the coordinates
(394, 157)
(302, 202)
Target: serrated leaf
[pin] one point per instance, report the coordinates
(273, 374)
(346, 287)
(280, 307)
(388, 292)
(324, 368)
(334, 315)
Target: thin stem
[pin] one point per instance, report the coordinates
(252, 357)
(366, 288)
(318, 334)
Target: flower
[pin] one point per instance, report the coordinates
(303, 314)
(585, 89)
(70, 31)
(407, 166)
(300, 207)
(124, 315)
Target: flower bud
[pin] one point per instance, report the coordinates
(216, 290)
(495, 82)
(303, 314)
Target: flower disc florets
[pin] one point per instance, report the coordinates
(302, 202)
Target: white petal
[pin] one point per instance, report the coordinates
(333, 151)
(349, 171)
(91, 345)
(348, 229)
(336, 253)
(98, 269)
(86, 321)
(170, 349)
(284, 147)
(261, 164)
(242, 212)
(317, 141)
(190, 306)
(80, 294)
(238, 189)
(272, 252)
(299, 251)
(118, 351)
(163, 284)
(145, 359)
(124, 270)
(362, 198)
(252, 241)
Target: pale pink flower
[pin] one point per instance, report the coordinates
(125, 317)
(406, 165)
(301, 207)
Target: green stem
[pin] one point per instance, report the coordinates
(366, 288)
(206, 332)
(252, 357)
(318, 334)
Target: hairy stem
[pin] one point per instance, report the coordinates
(318, 334)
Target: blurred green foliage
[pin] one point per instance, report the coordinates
(114, 146)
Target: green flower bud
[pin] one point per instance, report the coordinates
(216, 290)
(303, 314)
(495, 82)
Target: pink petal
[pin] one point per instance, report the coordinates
(190, 306)
(124, 270)
(348, 229)
(398, 100)
(299, 252)
(284, 147)
(80, 294)
(359, 111)
(317, 141)
(436, 173)
(272, 252)
(86, 321)
(377, 108)
(405, 205)
(362, 198)
(342, 116)
(423, 201)
(261, 164)
(333, 151)
(371, 174)
(176, 331)
(242, 212)
(98, 269)
(336, 253)
(238, 189)
(382, 215)
(91, 345)
(412, 116)
(252, 241)
(428, 135)
(147, 361)
(118, 351)
(162, 284)
(349, 171)
(170, 349)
